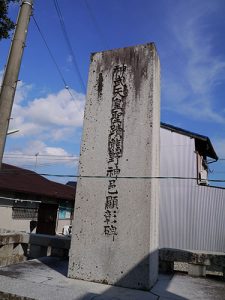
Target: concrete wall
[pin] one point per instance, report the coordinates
(115, 240)
(60, 224)
(7, 222)
(16, 247)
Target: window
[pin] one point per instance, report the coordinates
(202, 170)
(65, 211)
(25, 213)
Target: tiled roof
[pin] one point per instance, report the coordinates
(15, 179)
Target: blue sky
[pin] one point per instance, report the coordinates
(189, 36)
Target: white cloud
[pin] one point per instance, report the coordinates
(22, 91)
(1, 74)
(41, 148)
(69, 59)
(37, 152)
(43, 123)
(189, 90)
(56, 115)
(202, 112)
(57, 109)
(204, 69)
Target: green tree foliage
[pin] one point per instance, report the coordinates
(6, 24)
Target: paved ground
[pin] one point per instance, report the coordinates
(46, 279)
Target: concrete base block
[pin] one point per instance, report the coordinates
(6, 250)
(12, 254)
(39, 251)
(224, 274)
(11, 260)
(60, 252)
(196, 270)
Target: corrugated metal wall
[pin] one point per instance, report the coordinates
(191, 216)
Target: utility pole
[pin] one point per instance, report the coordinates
(10, 78)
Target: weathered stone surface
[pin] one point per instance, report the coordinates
(45, 240)
(11, 238)
(45, 245)
(196, 270)
(206, 258)
(11, 260)
(198, 262)
(12, 253)
(115, 229)
(14, 246)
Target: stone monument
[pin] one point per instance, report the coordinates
(115, 227)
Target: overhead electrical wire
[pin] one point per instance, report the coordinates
(60, 155)
(66, 36)
(44, 155)
(47, 160)
(5, 171)
(53, 157)
(95, 23)
(53, 59)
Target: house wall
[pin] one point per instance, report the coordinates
(177, 155)
(191, 215)
(61, 224)
(28, 225)
(65, 215)
(7, 222)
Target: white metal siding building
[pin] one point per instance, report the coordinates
(192, 214)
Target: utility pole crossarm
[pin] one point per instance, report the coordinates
(10, 77)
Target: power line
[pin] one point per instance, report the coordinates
(53, 59)
(95, 23)
(44, 158)
(41, 155)
(55, 155)
(47, 160)
(58, 157)
(5, 171)
(63, 27)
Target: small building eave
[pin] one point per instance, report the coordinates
(204, 140)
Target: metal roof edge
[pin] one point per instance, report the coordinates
(192, 135)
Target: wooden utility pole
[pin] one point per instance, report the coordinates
(10, 78)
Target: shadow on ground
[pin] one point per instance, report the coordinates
(136, 274)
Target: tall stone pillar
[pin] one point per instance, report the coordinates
(115, 227)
